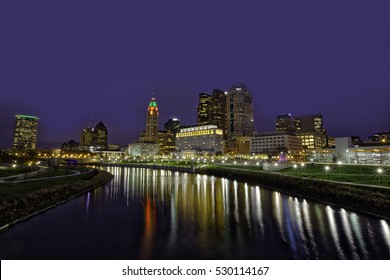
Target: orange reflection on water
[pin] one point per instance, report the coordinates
(149, 229)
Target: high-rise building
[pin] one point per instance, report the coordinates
(151, 132)
(212, 109)
(25, 135)
(239, 112)
(95, 137)
(310, 123)
(167, 138)
(172, 125)
(311, 130)
(285, 122)
(86, 138)
(100, 136)
(203, 108)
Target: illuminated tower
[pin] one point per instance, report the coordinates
(151, 133)
(25, 136)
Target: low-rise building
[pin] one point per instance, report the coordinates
(284, 145)
(207, 139)
(346, 151)
(142, 149)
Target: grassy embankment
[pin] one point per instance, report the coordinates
(10, 171)
(19, 200)
(359, 174)
(359, 198)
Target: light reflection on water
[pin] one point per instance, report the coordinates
(205, 208)
(157, 214)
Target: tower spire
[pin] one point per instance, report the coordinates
(151, 133)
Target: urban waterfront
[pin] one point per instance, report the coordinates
(158, 214)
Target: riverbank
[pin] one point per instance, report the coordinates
(363, 199)
(20, 206)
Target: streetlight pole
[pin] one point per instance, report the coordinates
(326, 171)
(380, 171)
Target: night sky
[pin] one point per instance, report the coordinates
(69, 62)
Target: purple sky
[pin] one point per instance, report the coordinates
(70, 61)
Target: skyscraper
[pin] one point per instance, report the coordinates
(86, 138)
(151, 132)
(310, 123)
(96, 136)
(172, 125)
(285, 122)
(25, 135)
(100, 136)
(212, 109)
(203, 108)
(239, 112)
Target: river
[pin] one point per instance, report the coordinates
(159, 214)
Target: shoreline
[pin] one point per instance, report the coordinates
(79, 188)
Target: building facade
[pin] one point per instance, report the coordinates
(142, 149)
(25, 133)
(166, 142)
(346, 151)
(100, 136)
(94, 138)
(284, 145)
(381, 137)
(172, 125)
(285, 122)
(206, 139)
(311, 130)
(212, 109)
(239, 112)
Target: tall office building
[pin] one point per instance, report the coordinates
(86, 138)
(151, 132)
(167, 138)
(212, 109)
(203, 108)
(311, 130)
(100, 136)
(285, 122)
(172, 125)
(239, 112)
(96, 136)
(310, 123)
(25, 135)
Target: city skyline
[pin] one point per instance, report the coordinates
(66, 66)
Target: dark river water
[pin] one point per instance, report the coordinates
(149, 214)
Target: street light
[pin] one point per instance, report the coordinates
(327, 168)
(379, 171)
(295, 166)
(339, 165)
